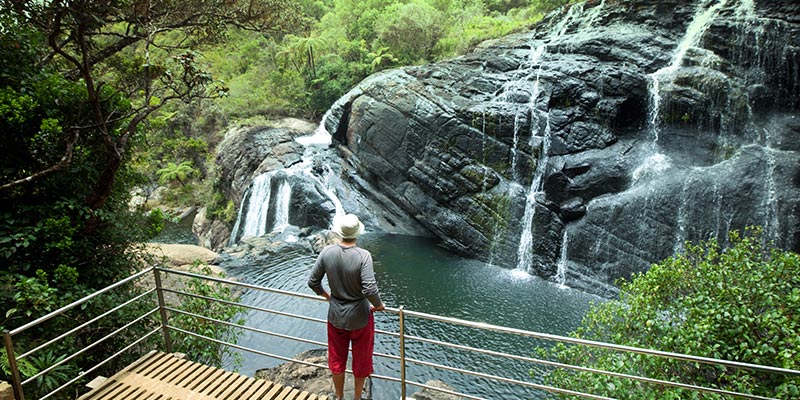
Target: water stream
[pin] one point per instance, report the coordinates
(415, 273)
(575, 15)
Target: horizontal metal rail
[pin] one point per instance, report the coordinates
(101, 363)
(401, 335)
(603, 345)
(78, 302)
(506, 330)
(240, 284)
(235, 304)
(261, 331)
(287, 359)
(508, 380)
(571, 367)
(85, 324)
(91, 346)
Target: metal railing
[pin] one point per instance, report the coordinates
(164, 311)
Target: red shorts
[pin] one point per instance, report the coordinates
(363, 342)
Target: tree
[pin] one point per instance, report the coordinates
(176, 172)
(80, 80)
(83, 39)
(411, 31)
(738, 304)
(299, 51)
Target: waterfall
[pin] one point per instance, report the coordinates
(575, 14)
(282, 206)
(682, 217)
(256, 202)
(561, 271)
(694, 32)
(254, 212)
(525, 251)
(771, 220)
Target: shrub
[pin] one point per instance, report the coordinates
(738, 303)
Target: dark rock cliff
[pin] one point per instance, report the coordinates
(640, 125)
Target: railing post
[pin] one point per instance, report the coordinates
(402, 354)
(163, 311)
(16, 380)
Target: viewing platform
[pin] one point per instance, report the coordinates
(162, 376)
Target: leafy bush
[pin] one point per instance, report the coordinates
(738, 303)
(199, 349)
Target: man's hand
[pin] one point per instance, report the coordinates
(378, 308)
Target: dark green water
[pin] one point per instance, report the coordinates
(414, 273)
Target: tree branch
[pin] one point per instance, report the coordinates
(63, 163)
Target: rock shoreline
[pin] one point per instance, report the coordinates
(317, 380)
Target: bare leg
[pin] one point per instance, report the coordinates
(359, 386)
(338, 385)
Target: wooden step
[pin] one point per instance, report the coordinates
(162, 376)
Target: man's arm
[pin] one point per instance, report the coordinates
(315, 279)
(370, 285)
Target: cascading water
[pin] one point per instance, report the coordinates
(282, 206)
(655, 162)
(524, 251)
(561, 270)
(258, 205)
(254, 209)
(750, 26)
(584, 20)
(694, 32)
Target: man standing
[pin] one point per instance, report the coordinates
(354, 296)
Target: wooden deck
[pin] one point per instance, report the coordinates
(161, 376)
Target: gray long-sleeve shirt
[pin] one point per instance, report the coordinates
(352, 284)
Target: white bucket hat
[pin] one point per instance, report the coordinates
(348, 226)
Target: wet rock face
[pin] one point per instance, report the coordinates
(640, 134)
(245, 153)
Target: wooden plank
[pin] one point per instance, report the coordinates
(137, 393)
(199, 385)
(273, 392)
(294, 394)
(239, 385)
(122, 392)
(202, 373)
(96, 382)
(284, 395)
(251, 390)
(261, 392)
(162, 369)
(182, 373)
(160, 376)
(219, 384)
(99, 392)
(147, 362)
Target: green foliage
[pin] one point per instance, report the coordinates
(411, 31)
(176, 172)
(25, 366)
(220, 208)
(303, 73)
(200, 349)
(738, 303)
(55, 377)
(71, 109)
